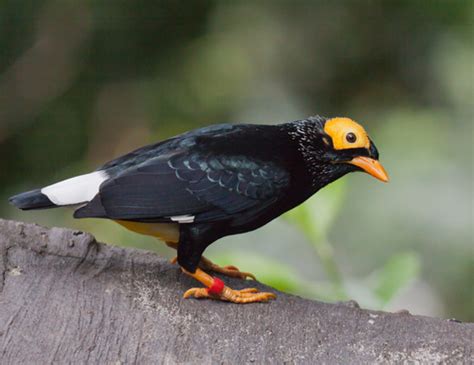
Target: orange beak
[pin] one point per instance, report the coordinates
(370, 166)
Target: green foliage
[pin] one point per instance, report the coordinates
(315, 218)
(399, 271)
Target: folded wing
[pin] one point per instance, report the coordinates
(189, 187)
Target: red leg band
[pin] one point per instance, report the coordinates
(217, 287)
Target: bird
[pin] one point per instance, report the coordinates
(224, 179)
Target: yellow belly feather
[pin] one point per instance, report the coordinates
(168, 232)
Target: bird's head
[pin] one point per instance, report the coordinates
(333, 147)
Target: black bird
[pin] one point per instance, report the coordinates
(195, 188)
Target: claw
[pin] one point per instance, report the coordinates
(230, 270)
(196, 293)
(231, 267)
(236, 274)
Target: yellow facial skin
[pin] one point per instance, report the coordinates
(345, 134)
(339, 128)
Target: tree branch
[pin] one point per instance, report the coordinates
(66, 298)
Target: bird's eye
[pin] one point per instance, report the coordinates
(351, 137)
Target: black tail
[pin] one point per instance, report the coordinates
(34, 199)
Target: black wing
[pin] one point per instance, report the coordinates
(207, 187)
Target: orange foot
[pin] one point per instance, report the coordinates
(230, 271)
(249, 295)
(218, 291)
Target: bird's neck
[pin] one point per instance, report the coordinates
(306, 136)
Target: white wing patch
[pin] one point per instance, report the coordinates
(183, 218)
(79, 189)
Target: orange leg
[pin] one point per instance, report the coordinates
(208, 265)
(217, 290)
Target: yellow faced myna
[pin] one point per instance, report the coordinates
(195, 188)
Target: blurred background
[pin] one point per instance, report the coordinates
(82, 82)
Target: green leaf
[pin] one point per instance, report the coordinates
(315, 216)
(399, 271)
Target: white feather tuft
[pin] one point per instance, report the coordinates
(183, 218)
(76, 190)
